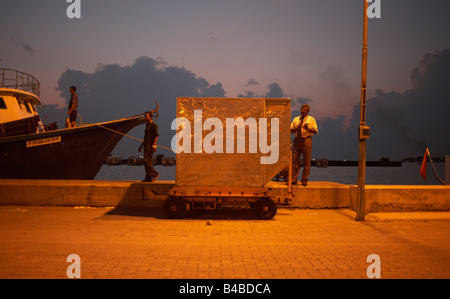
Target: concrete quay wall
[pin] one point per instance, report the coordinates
(379, 198)
(403, 198)
(83, 193)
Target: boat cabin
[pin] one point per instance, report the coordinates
(19, 96)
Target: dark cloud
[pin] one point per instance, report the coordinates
(275, 91)
(115, 91)
(248, 94)
(333, 142)
(417, 118)
(402, 124)
(300, 101)
(212, 40)
(21, 44)
(432, 74)
(252, 82)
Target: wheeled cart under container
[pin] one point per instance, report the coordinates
(228, 150)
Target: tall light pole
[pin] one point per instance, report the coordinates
(363, 129)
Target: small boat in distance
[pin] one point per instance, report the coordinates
(31, 150)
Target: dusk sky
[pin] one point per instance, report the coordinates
(309, 49)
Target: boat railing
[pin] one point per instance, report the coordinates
(10, 78)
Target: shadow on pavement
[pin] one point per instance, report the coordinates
(158, 213)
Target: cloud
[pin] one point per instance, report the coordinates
(417, 118)
(275, 91)
(298, 102)
(212, 39)
(402, 124)
(113, 91)
(24, 46)
(251, 82)
(432, 74)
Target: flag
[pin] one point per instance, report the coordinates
(423, 168)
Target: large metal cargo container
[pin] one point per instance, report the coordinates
(231, 142)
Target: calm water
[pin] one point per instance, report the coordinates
(407, 174)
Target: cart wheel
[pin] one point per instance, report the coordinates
(175, 207)
(265, 208)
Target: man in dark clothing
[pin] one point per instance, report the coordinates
(73, 106)
(149, 144)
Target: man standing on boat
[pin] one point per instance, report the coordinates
(73, 107)
(149, 144)
(304, 127)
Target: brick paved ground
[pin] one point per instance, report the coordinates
(111, 243)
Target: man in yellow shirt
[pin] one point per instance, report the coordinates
(304, 127)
